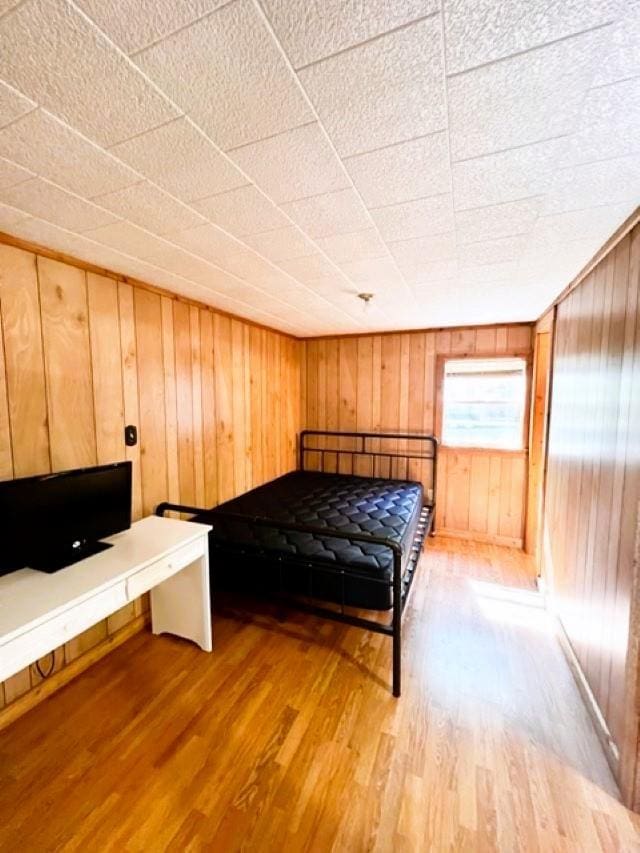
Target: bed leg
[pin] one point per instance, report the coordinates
(397, 659)
(397, 626)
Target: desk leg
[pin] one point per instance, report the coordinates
(181, 604)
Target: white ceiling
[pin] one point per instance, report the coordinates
(462, 159)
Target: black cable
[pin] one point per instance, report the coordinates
(42, 674)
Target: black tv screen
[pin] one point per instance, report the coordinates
(53, 520)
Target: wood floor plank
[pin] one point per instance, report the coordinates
(286, 737)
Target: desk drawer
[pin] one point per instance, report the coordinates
(154, 574)
(28, 647)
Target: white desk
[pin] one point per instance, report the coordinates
(39, 612)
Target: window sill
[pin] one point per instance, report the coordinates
(489, 451)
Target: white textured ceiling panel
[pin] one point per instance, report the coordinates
(433, 274)
(310, 31)
(382, 92)
(10, 216)
(135, 24)
(507, 175)
(374, 274)
(128, 238)
(48, 147)
(329, 213)
(148, 206)
(183, 263)
(46, 200)
(523, 99)
(497, 220)
(403, 172)
(69, 67)
(561, 228)
(282, 244)
(309, 268)
(556, 265)
(461, 160)
(475, 274)
(11, 174)
(419, 218)
(228, 74)
(610, 121)
(492, 251)
(12, 104)
(481, 31)
(623, 54)
(181, 159)
(207, 241)
(412, 253)
(355, 246)
(595, 184)
(292, 165)
(245, 210)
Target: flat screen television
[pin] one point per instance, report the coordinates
(53, 520)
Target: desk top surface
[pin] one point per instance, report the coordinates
(29, 597)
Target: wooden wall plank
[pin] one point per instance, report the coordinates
(170, 402)
(256, 367)
(312, 386)
(129, 357)
(224, 406)
(106, 358)
(184, 401)
(238, 410)
(6, 457)
(24, 361)
(196, 379)
(479, 493)
(348, 394)
(277, 400)
(151, 382)
(247, 440)
(67, 360)
(210, 458)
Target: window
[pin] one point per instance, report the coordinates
(483, 402)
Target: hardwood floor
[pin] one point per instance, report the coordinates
(287, 737)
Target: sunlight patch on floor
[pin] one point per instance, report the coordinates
(510, 606)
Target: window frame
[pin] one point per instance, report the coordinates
(441, 361)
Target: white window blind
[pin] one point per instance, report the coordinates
(484, 402)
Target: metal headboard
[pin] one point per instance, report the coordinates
(401, 448)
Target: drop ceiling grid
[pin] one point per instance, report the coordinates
(425, 231)
(320, 304)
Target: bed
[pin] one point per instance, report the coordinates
(340, 535)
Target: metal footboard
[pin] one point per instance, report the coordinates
(401, 581)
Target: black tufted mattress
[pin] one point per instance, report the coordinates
(249, 556)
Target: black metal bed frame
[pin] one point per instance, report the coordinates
(401, 582)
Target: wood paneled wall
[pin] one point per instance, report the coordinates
(593, 487)
(389, 382)
(216, 400)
